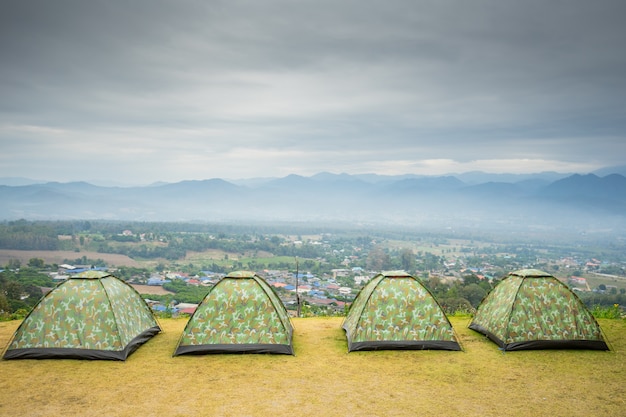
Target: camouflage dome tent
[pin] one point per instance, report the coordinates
(531, 309)
(240, 314)
(93, 315)
(395, 311)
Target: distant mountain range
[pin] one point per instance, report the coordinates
(545, 200)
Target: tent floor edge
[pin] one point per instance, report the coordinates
(557, 344)
(404, 345)
(65, 353)
(253, 348)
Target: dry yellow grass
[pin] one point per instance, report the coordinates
(322, 379)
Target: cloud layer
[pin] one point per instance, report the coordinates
(160, 90)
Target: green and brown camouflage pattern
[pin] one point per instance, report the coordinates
(92, 315)
(395, 311)
(241, 313)
(531, 309)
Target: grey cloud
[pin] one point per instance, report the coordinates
(400, 79)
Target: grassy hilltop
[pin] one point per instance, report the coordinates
(323, 379)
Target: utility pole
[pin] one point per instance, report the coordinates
(297, 293)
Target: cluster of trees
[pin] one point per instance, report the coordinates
(25, 235)
(604, 299)
(186, 293)
(143, 251)
(183, 293)
(21, 290)
(460, 296)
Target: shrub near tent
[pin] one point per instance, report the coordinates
(531, 309)
(395, 311)
(240, 314)
(92, 315)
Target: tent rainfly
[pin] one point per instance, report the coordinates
(240, 314)
(395, 311)
(92, 315)
(531, 309)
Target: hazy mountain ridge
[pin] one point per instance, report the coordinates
(586, 201)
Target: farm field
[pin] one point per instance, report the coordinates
(151, 289)
(323, 379)
(57, 257)
(228, 259)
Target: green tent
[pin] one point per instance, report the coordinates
(92, 315)
(240, 314)
(395, 311)
(531, 309)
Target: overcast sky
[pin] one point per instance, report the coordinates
(154, 90)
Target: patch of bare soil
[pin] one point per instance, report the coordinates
(151, 289)
(58, 257)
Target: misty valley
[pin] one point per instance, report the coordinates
(542, 202)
